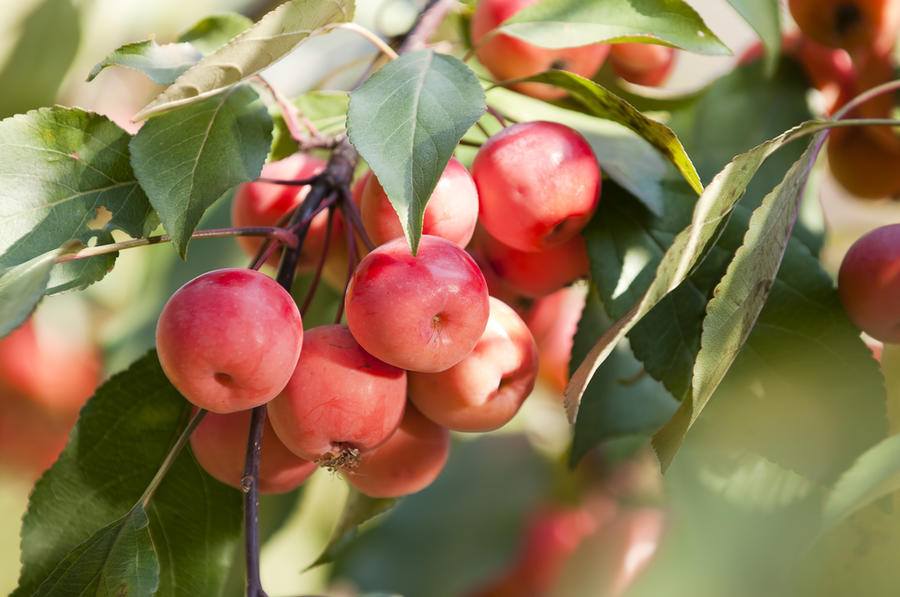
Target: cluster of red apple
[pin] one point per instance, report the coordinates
(45, 378)
(425, 348)
(507, 57)
(847, 48)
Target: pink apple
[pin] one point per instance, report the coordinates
(229, 339)
(340, 401)
(484, 390)
(422, 313)
(451, 212)
(538, 184)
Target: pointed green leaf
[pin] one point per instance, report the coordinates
(116, 560)
(35, 67)
(161, 63)
(65, 175)
(874, 475)
(711, 212)
(621, 400)
(602, 103)
(741, 294)
(214, 31)
(122, 436)
(572, 23)
(263, 44)
(22, 287)
(358, 509)
(765, 18)
(188, 158)
(406, 120)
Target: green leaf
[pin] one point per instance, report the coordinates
(874, 475)
(710, 214)
(490, 484)
(327, 110)
(214, 31)
(65, 175)
(572, 23)
(47, 44)
(263, 44)
(22, 287)
(621, 400)
(740, 296)
(187, 159)
(765, 18)
(406, 120)
(121, 438)
(161, 63)
(116, 560)
(623, 155)
(358, 509)
(604, 104)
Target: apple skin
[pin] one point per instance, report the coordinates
(48, 368)
(538, 184)
(451, 212)
(855, 25)
(535, 274)
(869, 283)
(486, 389)
(264, 204)
(409, 461)
(229, 339)
(422, 313)
(220, 445)
(339, 399)
(553, 321)
(642, 64)
(510, 58)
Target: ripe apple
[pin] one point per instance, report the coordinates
(484, 390)
(220, 445)
(538, 183)
(409, 461)
(553, 321)
(229, 339)
(340, 401)
(642, 64)
(422, 313)
(869, 283)
(850, 24)
(451, 212)
(510, 58)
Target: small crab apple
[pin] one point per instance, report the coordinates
(538, 184)
(535, 273)
(483, 391)
(510, 58)
(869, 283)
(409, 461)
(264, 204)
(451, 212)
(220, 445)
(422, 312)
(340, 401)
(229, 339)
(849, 24)
(553, 321)
(642, 64)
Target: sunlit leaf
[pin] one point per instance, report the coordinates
(212, 32)
(406, 120)
(358, 509)
(263, 44)
(188, 158)
(765, 18)
(571, 23)
(22, 287)
(161, 63)
(65, 175)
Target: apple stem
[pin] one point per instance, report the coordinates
(497, 116)
(321, 264)
(275, 233)
(250, 486)
(866, 96)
